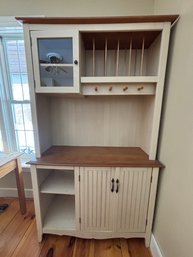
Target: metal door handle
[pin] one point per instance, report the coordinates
(117, 189)
(112, 187)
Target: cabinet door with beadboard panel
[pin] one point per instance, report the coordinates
(96, 199)
(132, 198)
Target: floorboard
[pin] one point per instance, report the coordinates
(18, 238)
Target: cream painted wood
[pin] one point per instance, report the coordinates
(153, 55)
(125, 208)
(56, 191)
(30, 72)
(59, 182)
(73, 34)
(150, 26)
(119, 105)
(120, 85)
(104, 121)
(159, 89)
(146, 120)
(60, 214)
(36, 195)
(119, 89)
(152, 199)
(132, 199)
(77, 197)
(96, 202)
(43, 121)
(122, 79)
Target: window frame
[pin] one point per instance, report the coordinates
(7, 127)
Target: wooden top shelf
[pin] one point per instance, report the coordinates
(96, 157)
(98, 20)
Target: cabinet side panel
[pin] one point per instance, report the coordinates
(153, 57)
(44, 125)
(147, 119)
(96, 204)
(31, 88)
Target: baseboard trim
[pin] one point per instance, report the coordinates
(12, 192)
(154, 248)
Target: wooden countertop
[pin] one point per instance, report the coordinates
(96, 157)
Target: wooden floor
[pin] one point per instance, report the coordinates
(18, 239)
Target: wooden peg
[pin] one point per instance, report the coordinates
(140, 88)
(125, 88)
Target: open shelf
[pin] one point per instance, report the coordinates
(121, 54)
(59, 182)
(60, 214)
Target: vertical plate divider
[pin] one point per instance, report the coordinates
(130, 55)
(117, 60)
(93, 57)
(142, 57)
(106, 49)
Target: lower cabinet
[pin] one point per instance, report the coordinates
(114, 200)
(94, 202)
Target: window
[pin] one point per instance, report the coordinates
(1, 142)
(14, 94)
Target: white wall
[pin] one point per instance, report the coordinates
(173, 227)
(76, 7)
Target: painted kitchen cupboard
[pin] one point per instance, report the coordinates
(96, 89)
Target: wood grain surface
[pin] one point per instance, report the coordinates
(98, 20)
(18, 238)
(96, 157)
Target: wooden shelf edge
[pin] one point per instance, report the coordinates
(98, 20)
(86, 156)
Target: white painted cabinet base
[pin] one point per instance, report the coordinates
(97, 202)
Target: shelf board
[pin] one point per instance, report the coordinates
(59, 182)
(60, 214)
(93, 156)
(121, 79)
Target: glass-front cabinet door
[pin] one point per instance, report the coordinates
(56, 61)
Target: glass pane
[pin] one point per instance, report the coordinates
(54, 76)
(55, 50)
(21, 140)
(18, 116)
(16, 56)
(1, 142)
(17, 91)
(30, 139)
(27, 117)
(24, 80)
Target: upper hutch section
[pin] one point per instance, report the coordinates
(119, 55)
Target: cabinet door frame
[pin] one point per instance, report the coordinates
(52, 34)
(100, 217)
(132, 199)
